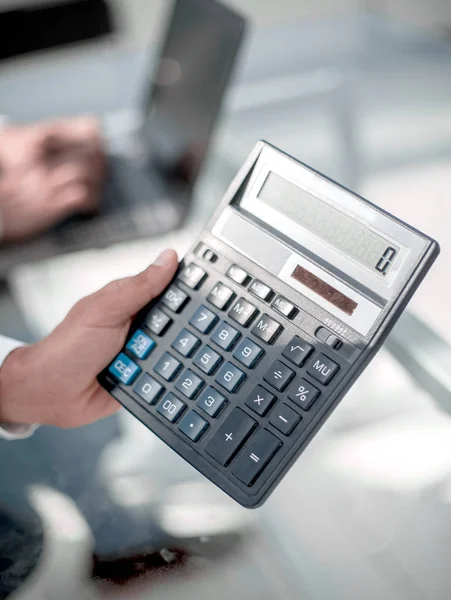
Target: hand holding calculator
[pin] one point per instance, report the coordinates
(274, 313)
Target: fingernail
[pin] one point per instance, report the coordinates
(164, 258)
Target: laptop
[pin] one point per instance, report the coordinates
(153, 169)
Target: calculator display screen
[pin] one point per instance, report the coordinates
(323, 289)
(344, 233)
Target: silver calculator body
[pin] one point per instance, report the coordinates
(274, 313)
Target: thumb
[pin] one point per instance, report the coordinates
(120, 300)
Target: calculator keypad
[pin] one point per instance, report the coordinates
(157, 321)
(124, 369)
(243, 312)
(168, 366)
(248, 353)
(189, 383)
(186, 343)
(207, 360)
(261, 400)
(174, 298)
(255, 456)
(193, 425)
(230, 436)
(261, 290)
(297, 351)
(148, 388)
(323, 369)
(192, 276)
(203, 319)
(303, 393)
(225, 336)
(239, 275)
(284, 418)
(241, 426)
(170, 407)
(140, 344)
(230, 377)
(266, 329)
(211, 401)
(285, 307)
(221, 296)
(279, 375)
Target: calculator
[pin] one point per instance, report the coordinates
(272, 316)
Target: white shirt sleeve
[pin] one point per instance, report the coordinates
(13, 431)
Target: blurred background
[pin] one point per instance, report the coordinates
(360, 90)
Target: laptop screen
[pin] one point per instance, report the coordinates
(189, 82)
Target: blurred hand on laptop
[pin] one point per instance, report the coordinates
(48, 172)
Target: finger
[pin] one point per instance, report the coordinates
(81, 135)
(76, 129)
(120, 300)
(72, 170)
(101, 405)
(69, 200)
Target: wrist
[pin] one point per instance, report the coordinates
(13, 374)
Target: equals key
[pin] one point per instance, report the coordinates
(255, 456)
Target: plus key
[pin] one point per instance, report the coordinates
(230, 436)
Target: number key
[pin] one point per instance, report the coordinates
(225, 336)
(248, 353)
(230, 377)
(189, 383)
(167, 366)
(211, 401)
(203, 319)
(170, 407)
(148, 388)
(207, 360)
(185, 343)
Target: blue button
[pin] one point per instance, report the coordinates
(124, 369)
(140, 344)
